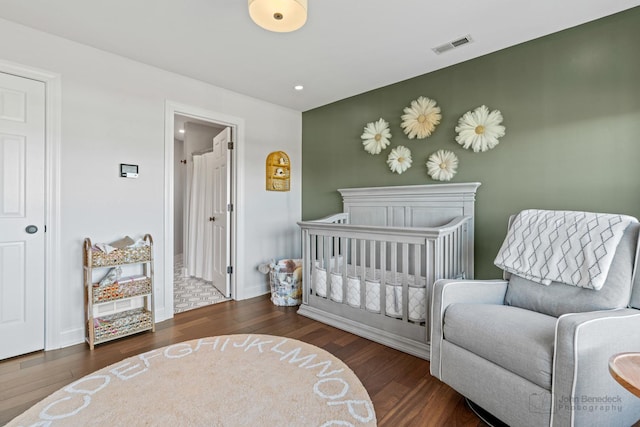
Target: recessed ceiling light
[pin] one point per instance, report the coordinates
(298, 87)
(181, 131)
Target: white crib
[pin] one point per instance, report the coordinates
(370, 269)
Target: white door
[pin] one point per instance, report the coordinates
(220, 215)
(22, 118)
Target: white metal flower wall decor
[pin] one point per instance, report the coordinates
(376, 136)
(399, 159)
(442, 165)
(480, 129)
(420, 118)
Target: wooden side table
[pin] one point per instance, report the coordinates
(625, 368)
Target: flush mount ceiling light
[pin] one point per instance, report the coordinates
(281, 16)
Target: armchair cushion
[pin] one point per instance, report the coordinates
(558, 299)
(518, 340)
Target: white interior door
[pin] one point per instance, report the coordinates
(22, 130)
(220, 214)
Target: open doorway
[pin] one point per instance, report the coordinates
(200, 212)
(207, 136)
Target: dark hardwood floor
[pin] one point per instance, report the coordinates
(401, 388)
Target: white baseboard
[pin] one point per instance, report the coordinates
(70, 337)
(253, 291)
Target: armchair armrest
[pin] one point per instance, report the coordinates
(584, 393)
(449, 291)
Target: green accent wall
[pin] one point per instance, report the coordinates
(571, 108)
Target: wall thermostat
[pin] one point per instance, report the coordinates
(128, 171)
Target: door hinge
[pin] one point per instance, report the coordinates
(230, 207)
(230, 145)
(229, 269)
(45, 228)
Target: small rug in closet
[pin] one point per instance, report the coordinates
(230, 380)
(190, 293)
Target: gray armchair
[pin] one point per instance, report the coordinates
(536, 355)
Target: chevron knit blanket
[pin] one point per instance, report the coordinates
(570, 247)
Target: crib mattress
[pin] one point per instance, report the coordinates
(417, 294)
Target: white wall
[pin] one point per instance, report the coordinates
(113, 112)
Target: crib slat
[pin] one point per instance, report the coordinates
(392, 277)
(321, 252)
(447, 254)
(460, 254)
(420, 262)
(337, 253)
(357, 272)
(307, 255)
(417, 261)
(327, 261)
(317, 261)
(452, 255)
(405, 282)
(383, 277)
(309, 266)
(452, 268)
(362, 261)
(343, 269)
(417, 265)
(394, 259)
(446, 250)
(456, 254)
(429, 273)
(439, 260)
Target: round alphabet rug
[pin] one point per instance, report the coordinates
(231, 380)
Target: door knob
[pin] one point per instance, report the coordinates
(31, 229)
(211, 218)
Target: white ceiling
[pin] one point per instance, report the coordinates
(347, 47)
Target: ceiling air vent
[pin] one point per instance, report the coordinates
(453, 44)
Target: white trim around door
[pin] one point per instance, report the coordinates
(53, 119)
(237, 125)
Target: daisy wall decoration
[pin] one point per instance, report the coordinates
(480, 129)
(420, 118)
(442, 165)
(376, 136)
(399, 159)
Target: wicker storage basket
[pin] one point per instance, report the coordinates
(122, 289)
(120, 256)
(121, 324)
